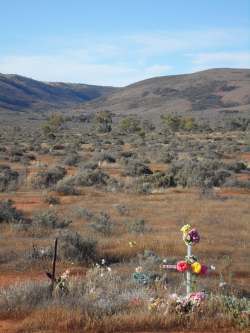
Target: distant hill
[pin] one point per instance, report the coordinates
(18, 93)
(208, 92)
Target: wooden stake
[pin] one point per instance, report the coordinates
(54, 267)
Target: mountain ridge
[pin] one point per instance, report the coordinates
(213, 91)
(19, 93)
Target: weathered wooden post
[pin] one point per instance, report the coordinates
(54, 267)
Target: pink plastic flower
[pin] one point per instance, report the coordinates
(197, 296)
(204, 270)
(182, 266)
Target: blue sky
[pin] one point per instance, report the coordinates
(119, 42)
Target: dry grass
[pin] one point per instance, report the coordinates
(61, 320)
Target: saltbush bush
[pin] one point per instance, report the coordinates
(66, 186)
(136, 168)
(199, 173)
(9, 213)
(51, 200)
(137, 226)
(91, 178)
(102, 223)
(72, 159)
(49, 178)
(74, 247)
(81, 212)
(8, 178)
(24, 297)
(50, 219)
(105, 157)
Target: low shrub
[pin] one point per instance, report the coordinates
(136, 168)
(45, 179)
(237, 166)
(233, 182)
(102, 223)
(167, 156)
(72, 159)
(199, 173)
(66, 186)
(114, 185)
(40, 253)
(90, 165)
(8, 178)
(74, 247)
(159, 180)
(137, 226)
(9, 213)
(51, 200)
(91, 178)
(105, 157)
(19, 298)
(16, 154)
(122, 209)
(81, 212)
(50, 219)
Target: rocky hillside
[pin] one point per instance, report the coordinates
(213, 91)
(207, 93)
(18, 93)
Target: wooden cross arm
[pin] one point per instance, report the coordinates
(166, 266)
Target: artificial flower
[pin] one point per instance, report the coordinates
(186, 228)
(197, 297)
(204, 269)
(65, 274)
(138, 269)
(187, 239)
(196, 267)
(194, 236)
(182, 266)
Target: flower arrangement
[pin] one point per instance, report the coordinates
(190, 236)
(189, 302)
(62, 283)
(176, 303)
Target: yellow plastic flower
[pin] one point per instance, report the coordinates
(196, 267)
(132, 243)
(186, 228)
(155, 304)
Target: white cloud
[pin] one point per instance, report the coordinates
(168, 42)
(220, 59)
(121, 60)
(59, 68)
